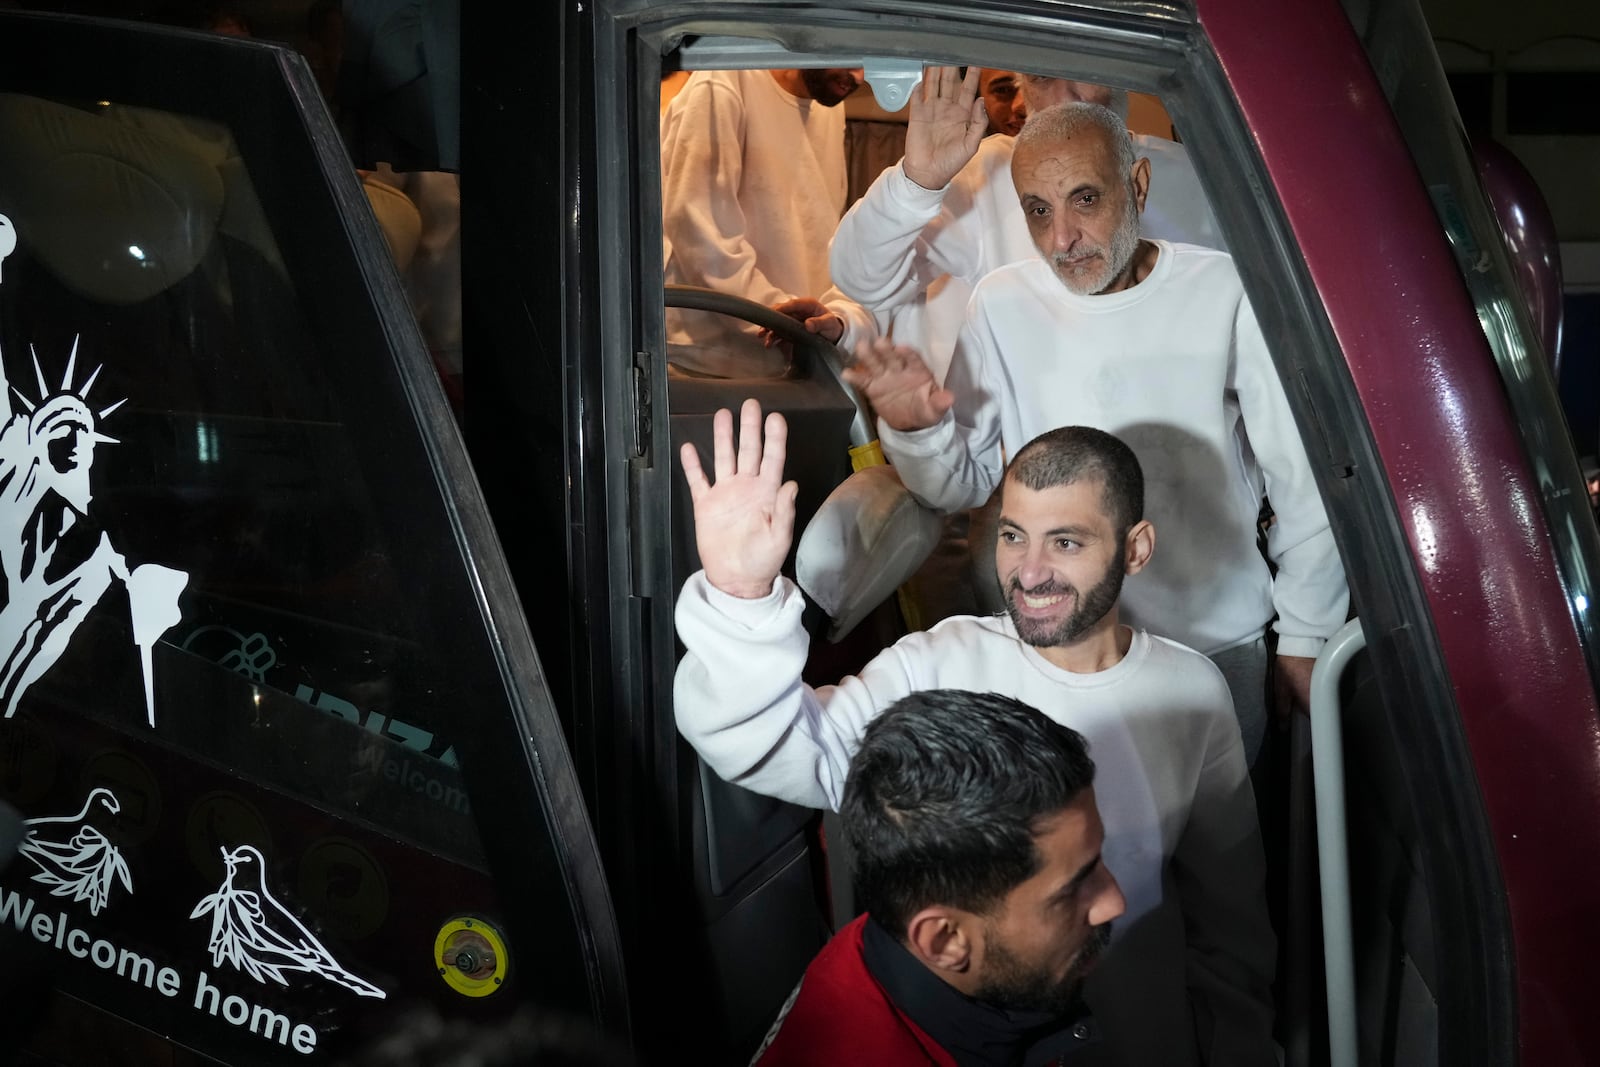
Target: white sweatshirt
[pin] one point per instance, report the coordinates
(1194, 953)
(753, 182)
(1177, 368)
(918, 253)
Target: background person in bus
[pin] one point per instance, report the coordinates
(1154, 342)
(1187, 980)
(753, 182)
(1002, 101)
(977, 860)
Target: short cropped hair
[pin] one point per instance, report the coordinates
(1058, 122)
(1074, 454)
(945, 796)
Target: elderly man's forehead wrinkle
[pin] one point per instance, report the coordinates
(1087, 165)
(1050, 168)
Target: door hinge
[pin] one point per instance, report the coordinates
(642, 411)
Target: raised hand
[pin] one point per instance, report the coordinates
(744, 524)
(898, 385)
(947, 123)
(811, 313)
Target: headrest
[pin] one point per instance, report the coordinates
(117, 213)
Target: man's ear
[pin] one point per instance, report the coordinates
(941, 939)
(1139, 546)
(1140, 177)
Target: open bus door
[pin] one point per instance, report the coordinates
(1373, 264)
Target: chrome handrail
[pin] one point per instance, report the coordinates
(1333, 850)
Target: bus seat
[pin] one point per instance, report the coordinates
(397, 217)
(157, 200)
(123, 201)
(869, 536)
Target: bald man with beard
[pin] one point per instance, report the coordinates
(934, 224)
(1154, 342)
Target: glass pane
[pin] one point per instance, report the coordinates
(241, 641)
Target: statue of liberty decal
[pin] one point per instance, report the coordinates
(55, 571)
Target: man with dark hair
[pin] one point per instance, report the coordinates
(1188, 978)
(976, 839)
(1002, 100)
(1082, 453)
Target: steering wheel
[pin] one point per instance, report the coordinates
(813, 349)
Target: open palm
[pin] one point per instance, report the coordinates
(744, 522)
(898, 385)
(946, 126)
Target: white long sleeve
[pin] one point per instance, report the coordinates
(914, 254)
(702, 170)
(1309, 592)
(740, 702)
(899, 237)
(859, 323)
(957, 462)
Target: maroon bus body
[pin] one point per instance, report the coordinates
(1465, 491)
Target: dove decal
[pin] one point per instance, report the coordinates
(257, 935)
(74, 859)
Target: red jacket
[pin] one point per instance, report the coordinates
(841, 1015)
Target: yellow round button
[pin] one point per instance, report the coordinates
(471, 956)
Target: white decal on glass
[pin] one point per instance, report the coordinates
(75, 859)
(53, 575)
(8, 241)
(251, 656)
(252, 931)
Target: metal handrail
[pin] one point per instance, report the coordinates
(1333, 850)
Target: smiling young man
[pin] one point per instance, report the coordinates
(978, 844)
(1188, 979)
